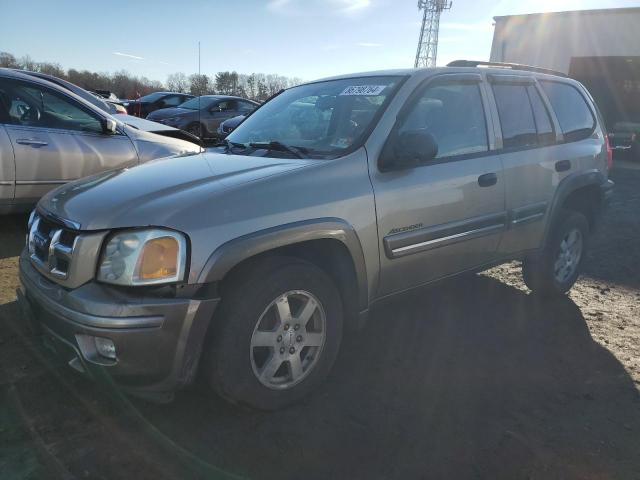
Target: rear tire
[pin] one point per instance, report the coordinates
(556, 268)
(276, 335)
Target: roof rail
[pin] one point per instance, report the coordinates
(512, 66)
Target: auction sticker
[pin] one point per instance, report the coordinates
(364, 90)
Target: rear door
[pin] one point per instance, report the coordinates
(537, 152)
(56, 139)
(448, 215)
(527, 139)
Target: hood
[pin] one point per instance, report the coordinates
(169, 112)
(161, 191)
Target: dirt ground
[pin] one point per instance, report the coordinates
(473, 379)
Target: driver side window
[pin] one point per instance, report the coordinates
(453, 113)
(30, 105)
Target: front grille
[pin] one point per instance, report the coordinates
(51, 247)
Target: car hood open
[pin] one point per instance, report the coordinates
(160, 191)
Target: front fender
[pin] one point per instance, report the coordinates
(230, 254)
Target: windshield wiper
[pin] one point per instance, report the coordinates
(298, 152)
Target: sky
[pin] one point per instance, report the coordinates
(308, 39)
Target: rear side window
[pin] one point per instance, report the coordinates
(546, 135)
(454, 115)
(173, 100)
(516, 116)
(574, 115)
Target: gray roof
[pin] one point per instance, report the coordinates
(599, 11)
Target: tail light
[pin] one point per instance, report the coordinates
(609, 152)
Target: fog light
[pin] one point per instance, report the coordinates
(105, 347)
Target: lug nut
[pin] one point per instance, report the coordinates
(279, 338)
(281, 349)
(286, 326)
(292, 350)
(299, 339)
(297, 327)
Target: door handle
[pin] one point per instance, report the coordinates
(30, 141)
(488, 179)
(563, 165)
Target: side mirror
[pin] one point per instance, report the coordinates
(408, 149)
(109, 126)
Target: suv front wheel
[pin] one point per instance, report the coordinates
(556, 268)
(277, 334)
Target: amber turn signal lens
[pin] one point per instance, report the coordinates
(159, 259)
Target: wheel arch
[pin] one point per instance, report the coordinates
(581, 192)
(326, 242)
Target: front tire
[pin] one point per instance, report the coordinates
(277, 334)
(556, 268)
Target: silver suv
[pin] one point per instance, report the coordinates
(246, 263)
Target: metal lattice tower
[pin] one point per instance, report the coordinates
(428, 43)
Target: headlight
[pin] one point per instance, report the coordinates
(143, 257)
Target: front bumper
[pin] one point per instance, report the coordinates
(158, 340)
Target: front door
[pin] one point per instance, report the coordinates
(448, 215)
(56, 139)
(219, 112)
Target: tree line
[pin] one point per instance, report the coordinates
(256, 86)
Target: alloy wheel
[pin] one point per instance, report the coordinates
(288, 339)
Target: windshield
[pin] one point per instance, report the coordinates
(152, 97)
(198, 102)
(324, 119)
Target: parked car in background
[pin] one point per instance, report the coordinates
(625, 137)
(242, 267)
(50, 135)
(229, 125)
(202, 116)
(143, 106)
(116, 108)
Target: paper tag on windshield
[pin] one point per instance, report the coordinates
(369, 90)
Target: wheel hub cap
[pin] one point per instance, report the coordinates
(288, 339)
(569, 256)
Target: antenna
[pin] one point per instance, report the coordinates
(428, 42)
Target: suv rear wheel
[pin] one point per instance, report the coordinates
(554, 270)
(277, 334)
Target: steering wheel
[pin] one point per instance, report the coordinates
(30, 115)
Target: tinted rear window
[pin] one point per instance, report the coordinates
(516, 116)
(574, 115)
(546, 134)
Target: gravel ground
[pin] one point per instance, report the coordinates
(472, 379)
